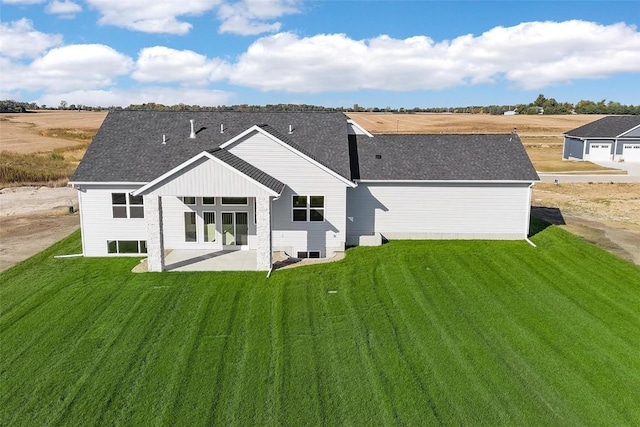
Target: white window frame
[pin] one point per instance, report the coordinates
(117, 252)
(222, 203)
(127, 206)
(308, 208)
(208, 204)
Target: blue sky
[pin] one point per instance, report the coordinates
(332, 53)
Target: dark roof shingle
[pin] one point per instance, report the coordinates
(606, 127)
(128, 146)
(443, 157)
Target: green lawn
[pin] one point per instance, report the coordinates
(431, 332)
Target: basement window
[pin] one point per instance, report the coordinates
(309, 254)
(127, 246)
(125, 205)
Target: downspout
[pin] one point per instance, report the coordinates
(526, 237)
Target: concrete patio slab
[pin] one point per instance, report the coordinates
(210, 260)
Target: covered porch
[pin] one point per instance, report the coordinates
(212, 227)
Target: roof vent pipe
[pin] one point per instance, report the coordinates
(164, 139)
(290, 129)
(193, 131)
(221, 128)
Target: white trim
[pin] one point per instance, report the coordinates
(193, 160)
(256, 128)
(107, 183)
(627, 131)
(445, 181)
(353, 123)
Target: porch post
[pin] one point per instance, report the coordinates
(155, 238)
(263, 232)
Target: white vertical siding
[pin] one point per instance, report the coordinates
(439, 211)
(98, 224)
(302, 178)
(208, 177)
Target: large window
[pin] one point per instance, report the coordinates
(127, 246)
(308, 208)
(127, 206)
(190, 230)
(209, 226)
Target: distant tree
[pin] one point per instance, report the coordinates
(63, 105)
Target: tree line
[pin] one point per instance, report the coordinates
(541, 105)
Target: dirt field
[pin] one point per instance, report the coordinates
(606, 214)
(20, 133)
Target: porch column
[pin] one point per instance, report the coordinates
(263, 232)
(155, 238)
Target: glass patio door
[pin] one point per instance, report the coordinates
(235, 228)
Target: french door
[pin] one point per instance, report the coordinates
(235, 228)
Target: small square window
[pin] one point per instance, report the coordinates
(112, 246)
(119, 211)
(299, 214)
(302, 255)
(135, 200)
(189, 200)
(208, 200)
(316, 201)
(128, 246)
(314, 254)
(299, 201)
(316, 214)
(136, 211)
(118, 198)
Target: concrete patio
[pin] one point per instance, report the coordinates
(211, 260)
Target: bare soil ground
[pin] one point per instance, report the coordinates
(21, 133)
(32, 218)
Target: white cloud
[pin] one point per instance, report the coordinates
(19, 39)
(66, 68)
(64, 7)
(125, 97)
(249, 17)
(151, 16)
(163, 64)
(531, 55)
(22, 1)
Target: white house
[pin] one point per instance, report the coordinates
(308, 184)
(611, 138)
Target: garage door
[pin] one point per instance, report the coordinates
(600, 152)
(631, 152)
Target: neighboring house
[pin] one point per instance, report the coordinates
(308, 184)
(614, 138)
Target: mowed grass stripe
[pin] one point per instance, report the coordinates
(494, 333)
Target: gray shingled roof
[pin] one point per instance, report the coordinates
(128, 146)
(248, 169)
(442, 157)
(607, 127)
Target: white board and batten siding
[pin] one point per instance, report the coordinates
(98, 223)
(204, 178)
(439, 211)
(303, 178)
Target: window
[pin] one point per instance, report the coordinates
(189, 200)
(127, 206)
(127, 246)
(308, 208)
(190, 233)
(310, 254)
(234, 201)
(208, 200)
(209, 226)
